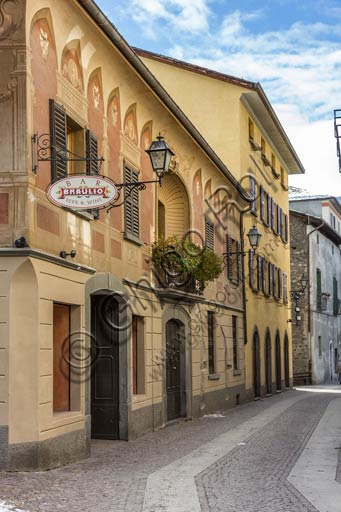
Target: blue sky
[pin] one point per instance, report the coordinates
(293, 48)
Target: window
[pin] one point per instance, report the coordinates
(253, 195)
(209, 234)
(262, 203)
(61, 357)
(271, 278)
(138, 355)
(235, 343)
(275, 281)
(272, 216)
(286, 228)
(280, 283)
(234, 267)
(319, 342)
(259, 272)
(132, 207)
(211, 342)
(285, 288)
(252, 269)
(318, 290)
(264, 275)
(335, 298)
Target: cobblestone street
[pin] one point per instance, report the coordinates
(240, 461)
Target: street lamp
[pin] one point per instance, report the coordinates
(254, 237)
(160, 156)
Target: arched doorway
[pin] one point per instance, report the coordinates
(286, 361)
(268, 365)
(175, 369)
(105, 367)
(256, 364)
(278, 363)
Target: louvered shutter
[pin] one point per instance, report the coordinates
(132, 209)
(229, 257)
(265, 264)
(272, 221)
(285, 228)
(259, 272)
(251, 268)
(285, 287)
(271, 268)
(274, 281)
(262, 203)
(280, 283)
(91, 153)
(281, 224)
(58, 140)
(269, 199)
(209, 234)
(239, 263)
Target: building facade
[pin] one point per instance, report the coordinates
(98, 345)
(236, 118)
(316, 325)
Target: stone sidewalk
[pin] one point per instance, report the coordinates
(235, 462)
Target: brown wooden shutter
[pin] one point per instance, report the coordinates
(265, 264)
(251, 268)
(286, 228)
(271, 268)
(209, 234)
(259, 272)
(280, 283)
(274, 281)
(269, 199)
(239, 263)
(229, 242)
(272, 220)
(132, 207)
(285, 287)
(58, 140)
(91, 153)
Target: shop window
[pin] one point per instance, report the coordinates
(132, 206)
(61, 358)
(138, 355)
(235, 343)
(211, 341)
(209, 235)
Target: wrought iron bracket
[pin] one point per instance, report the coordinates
(42, 152)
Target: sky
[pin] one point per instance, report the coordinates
(293, 48)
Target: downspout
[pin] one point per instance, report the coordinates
(241, 227)
(309, 305)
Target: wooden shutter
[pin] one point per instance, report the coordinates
(265, 265)
(285, 287)
(274, 281)
(281, 223)
(132, 208)
(271, 268)
(229, 243)
(269, 201)
(239, 262)
(286, 230)
(58, 140)
(209, 234)
(272, 220)
(259, 272)
(280, 283)
(251, 269)
(91, 153)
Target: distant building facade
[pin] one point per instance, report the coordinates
(315, 252)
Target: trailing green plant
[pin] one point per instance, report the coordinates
(182, 257)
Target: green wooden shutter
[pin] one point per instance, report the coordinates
(91, 153)
(58, 140)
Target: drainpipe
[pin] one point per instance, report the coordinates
(309, 305)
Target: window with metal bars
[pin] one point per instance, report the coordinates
(209, 234)
(132, 206)
(211, 342)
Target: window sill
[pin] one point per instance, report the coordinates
(237, 372)
(131, 238)
(213, 376)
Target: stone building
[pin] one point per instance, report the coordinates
(95, 344)
(315, 253)
(238, 121)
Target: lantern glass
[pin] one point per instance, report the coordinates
(254, 237)
(160, 156)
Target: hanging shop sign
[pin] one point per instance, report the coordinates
(82, 192)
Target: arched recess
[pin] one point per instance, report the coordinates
(114, 110)
(278, 360)
(268, 365)
(198, 198)
(176, 348)
(130, 124)
(173, 207)
(208, 189)
(24, 346)
(95, 94)
(71, 65)
(256, 364)
(286, 361)
(105, 294)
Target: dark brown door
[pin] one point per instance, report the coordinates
(278, 364)
(256, 365)
(105, 370)
(61, 366)
(175, 370)
(268, 366)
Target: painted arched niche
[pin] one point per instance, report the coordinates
(198, 198)
(173, 207)
(71, 67)
(130, 124)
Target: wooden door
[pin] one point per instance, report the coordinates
(175, 370)
(105, 370)
(61, 357)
